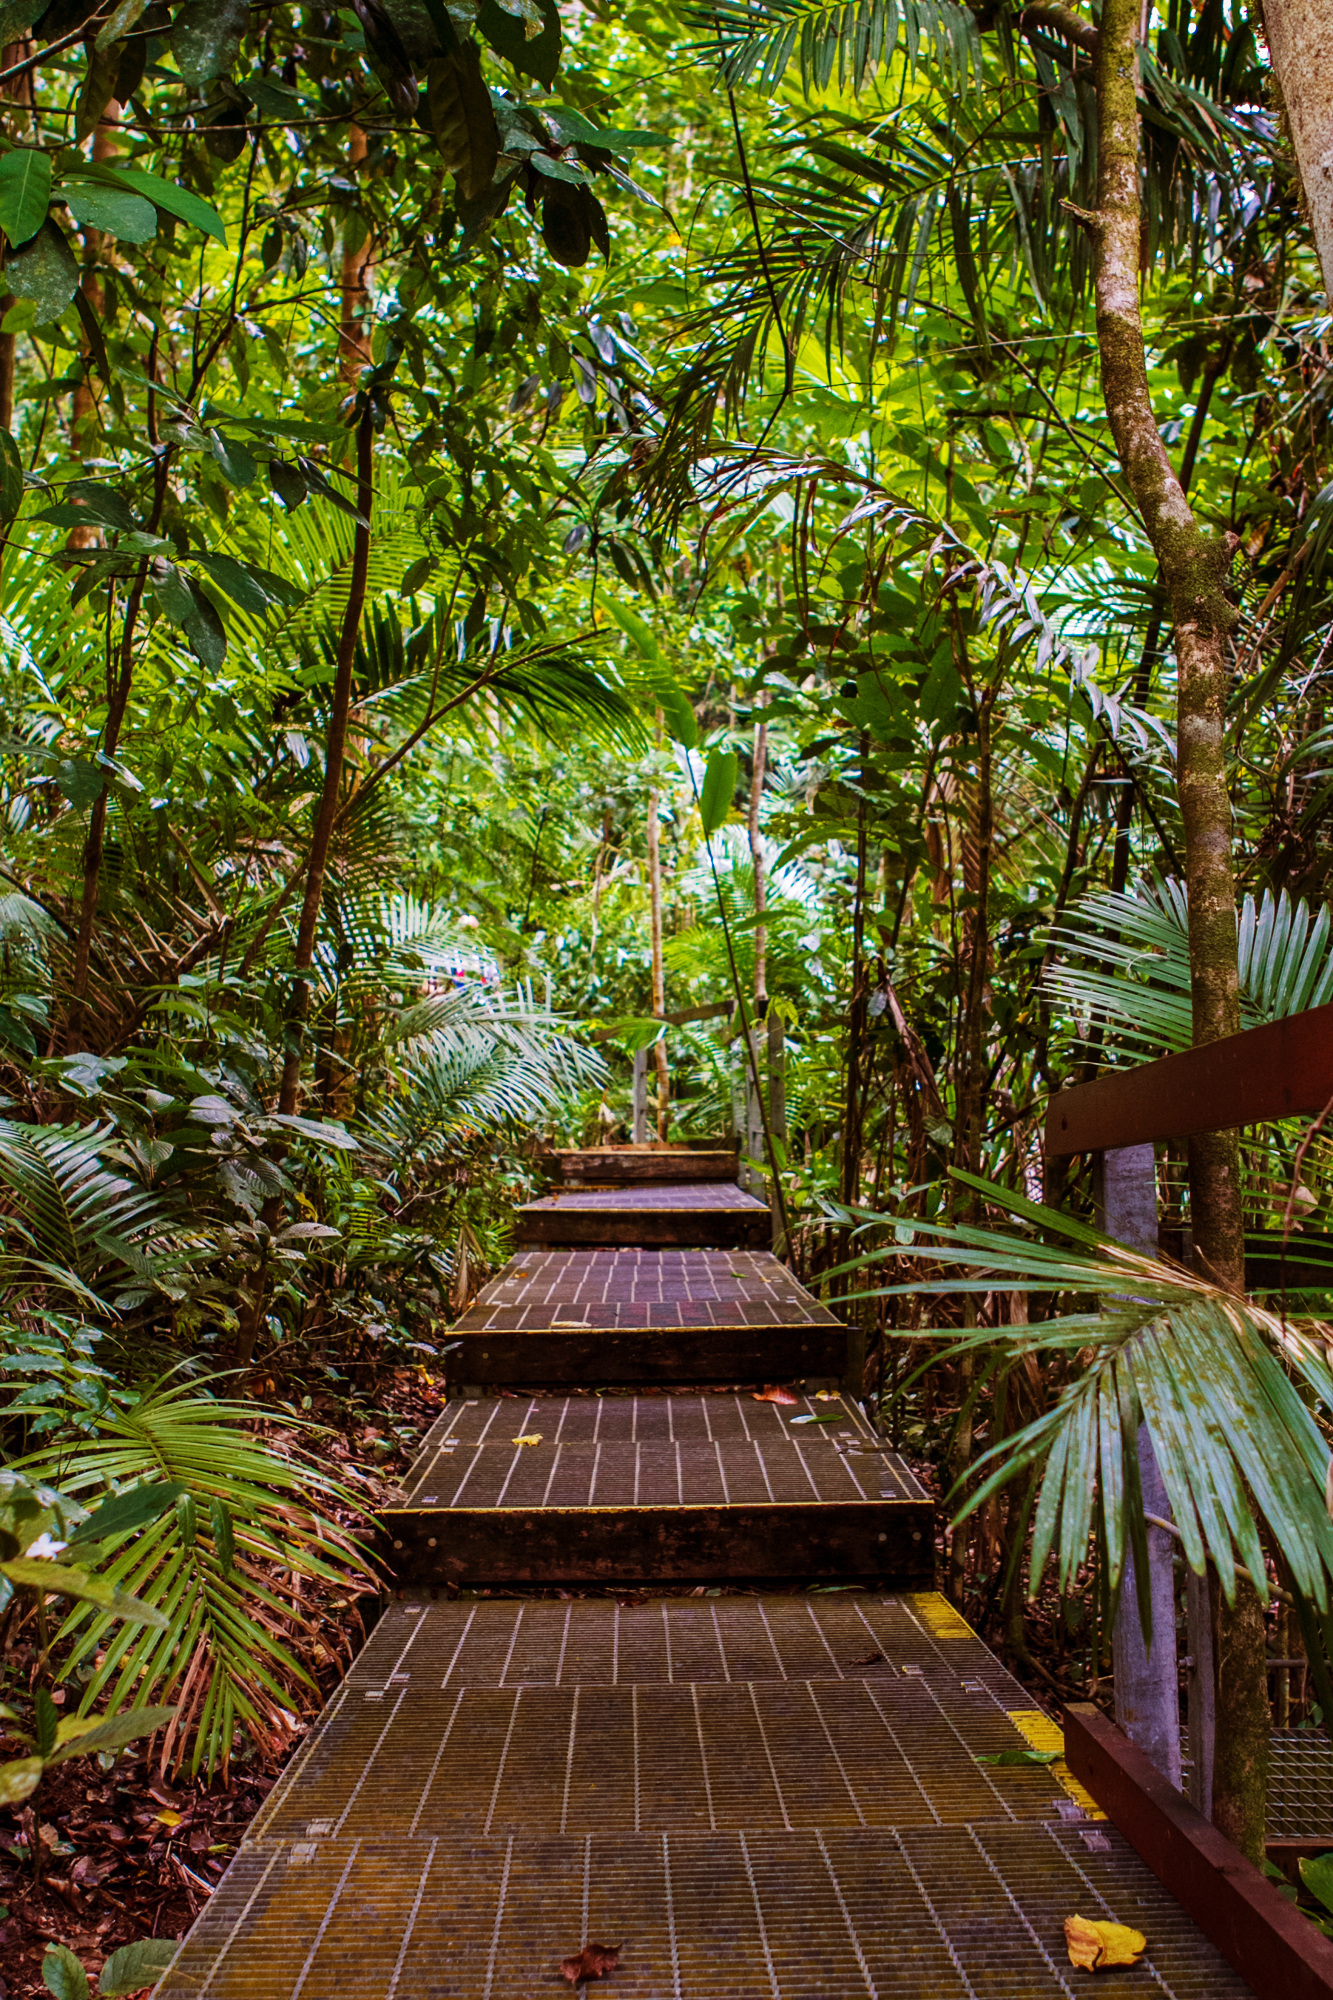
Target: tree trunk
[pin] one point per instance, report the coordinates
(326, 814)
(1300, 41)
(335, 747)
(1194, 568)
(757, 863)
(358, 258)
(84, 412)
(1147, 1698)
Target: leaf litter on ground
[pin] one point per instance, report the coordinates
(1094, 1945)
(774, 1393)
(595, 1961)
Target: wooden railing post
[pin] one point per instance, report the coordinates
(1147, 1699)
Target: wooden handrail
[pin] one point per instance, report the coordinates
(1280, 1070)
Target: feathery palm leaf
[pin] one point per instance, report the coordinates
(80, 1216)
(1285, 962)
(254, 1519)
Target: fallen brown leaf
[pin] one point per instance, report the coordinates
(775, 1395)
(869, 1660)
(593, 1962)
(1094, 1945)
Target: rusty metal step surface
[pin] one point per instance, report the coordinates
(817, 1634)
(644, 1316)
(472, 1762)
(620, 1165)
(482, 1798)
(648, 1215)
(924, 1913)
(626, 1488)
(806, 1635)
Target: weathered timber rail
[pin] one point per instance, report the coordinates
(757, 1795)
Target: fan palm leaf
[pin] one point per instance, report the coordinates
(1232, 1396)
(79, 1215)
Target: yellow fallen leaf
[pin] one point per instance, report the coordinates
(528, 1437)
(166, 1817)
(1095, 1945)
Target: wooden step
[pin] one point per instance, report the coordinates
(617, 1165)
(676, 1487)
(692, 1215)
(601, 1317)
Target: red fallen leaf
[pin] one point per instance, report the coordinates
(593, 1962)
(775, 1395)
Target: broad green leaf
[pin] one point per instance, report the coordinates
(135, 1965)
(119, 22)
(205, 631)
(1022, 1757)
(80, 780)
(11, 476)
(25, 192)
(43, 272)
(99, 87)
(17, 16)
(63, 1974)
(318, 1129)
(508, 30)
(224, 1540)
(70, 1581)
(47, 1722)
(176, 200)
(113, 1732)
(19, 1779)
(462, 118)
(1317, 1875)
(134, 1508)
(236, 580)
(172, 592)
(238, 465)
(127, 217)
(719, 789)
(317, 483)
(287, 482)
(206, 38)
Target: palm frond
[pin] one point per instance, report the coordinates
(1139, 981)
(226, 1566)
(78, 1214)
(755, 40)
(1230, 1393)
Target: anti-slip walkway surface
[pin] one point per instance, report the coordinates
(753, 1794)
(638, 1316)
(636, 1488)
(756, 1798)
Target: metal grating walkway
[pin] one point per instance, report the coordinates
(755, 1797)
(565, 1490)
(647, 1215)
(595, 1317)
(499, 1782)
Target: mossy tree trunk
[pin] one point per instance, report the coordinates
(1194, 567)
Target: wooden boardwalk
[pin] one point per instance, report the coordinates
(755, 1793)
